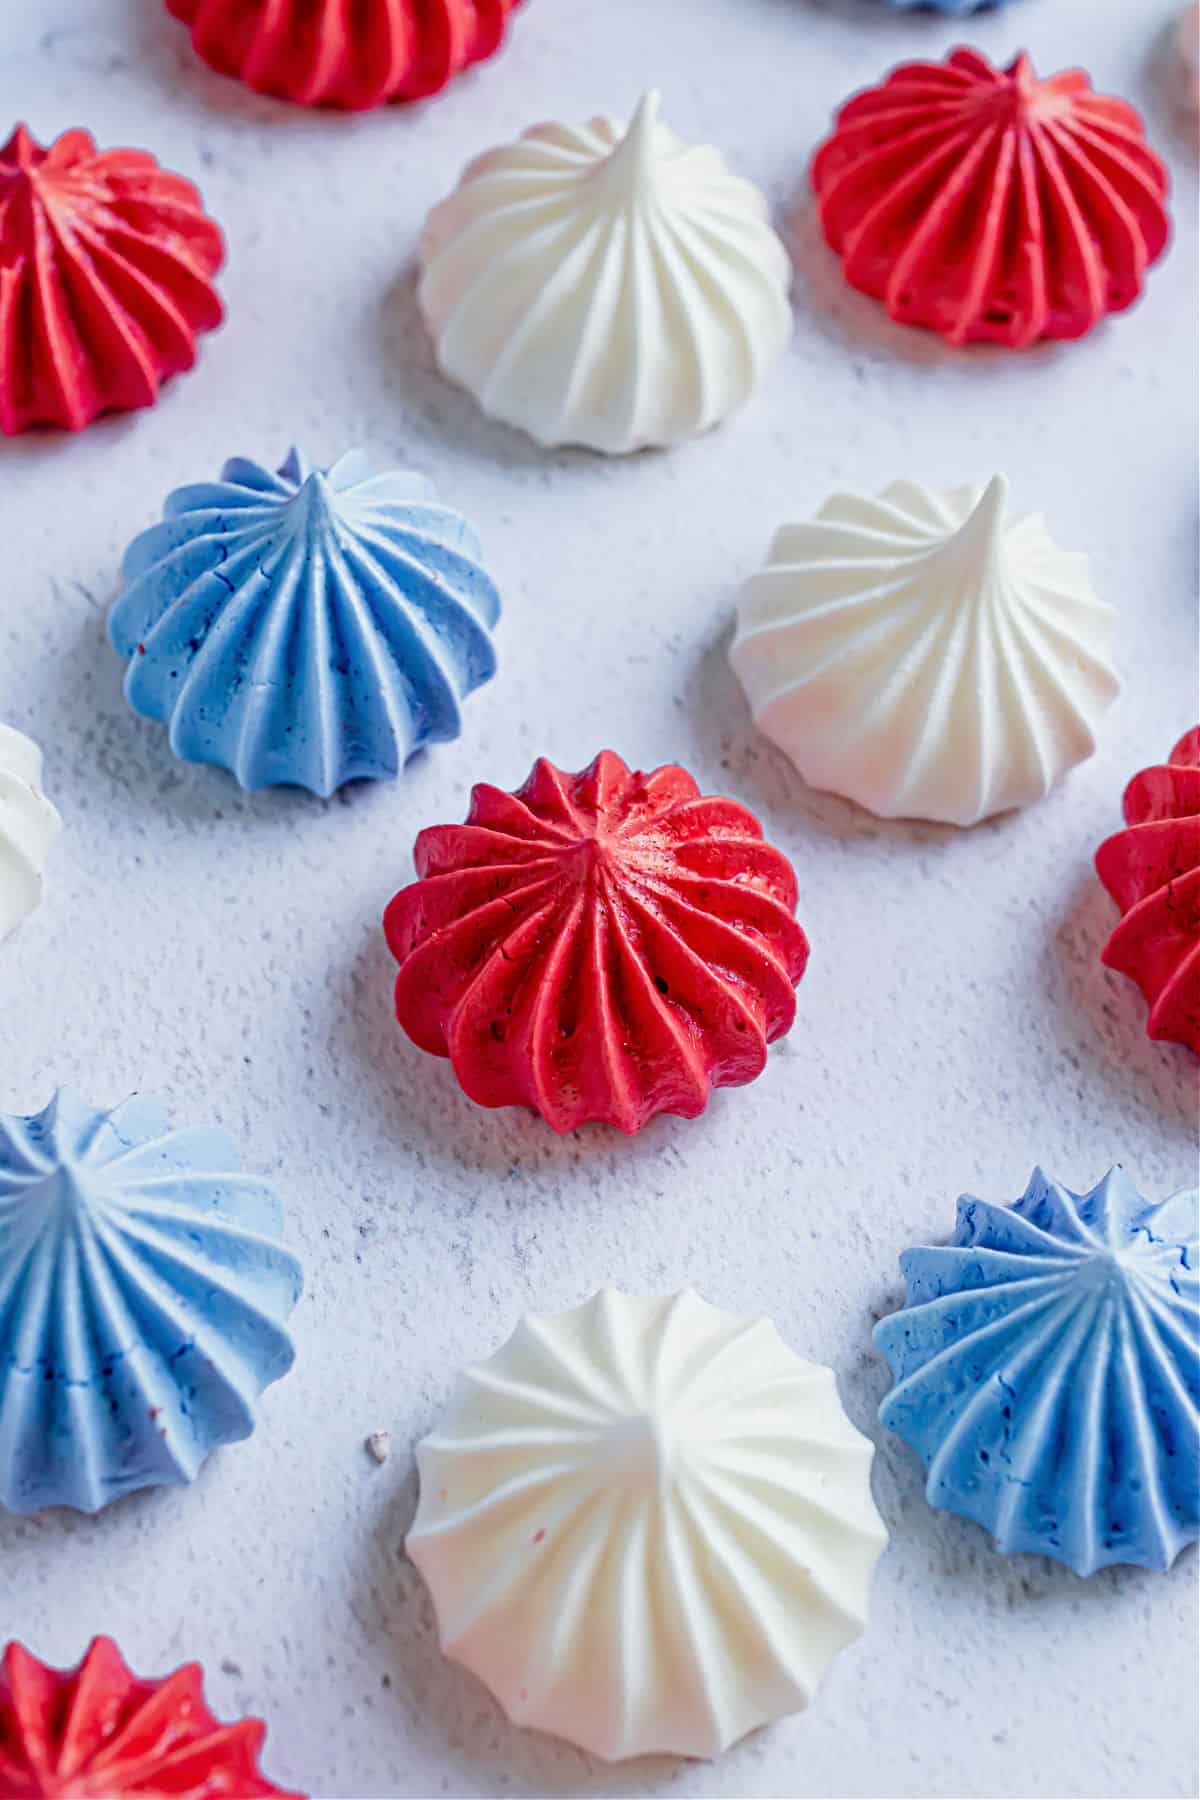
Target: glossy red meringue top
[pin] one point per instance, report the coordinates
(984, 203)
(98, 1733)
(106, 268)
(1152, 871)
(326, 53)
(602, 946)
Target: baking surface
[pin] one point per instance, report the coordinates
(224, 950)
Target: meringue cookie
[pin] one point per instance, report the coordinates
(605, 285)
(990, 204)
(354, 56)
(28, 826)
(1047, 1372)
(925, 655)
(1152, 871)
(602, 946)
(100, 1729)
(107, 266)
(647, 1525)
(143, 1299)
(308, 626)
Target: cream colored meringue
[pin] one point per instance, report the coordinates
(606, 286)
(926, 655)
(28, 826)
(647, 1525)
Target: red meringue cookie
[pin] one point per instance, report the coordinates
(983, 203)
(99, 1733)
(1152, 871)
(106, 267)
(325, 53)
(602, 946)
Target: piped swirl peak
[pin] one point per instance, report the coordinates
(629, 169)
(606, 284)
(925, 653)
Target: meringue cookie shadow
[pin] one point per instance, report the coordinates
(447, 412)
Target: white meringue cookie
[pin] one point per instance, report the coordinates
(610, 287)
(925, 655)
(28, 826)
(647, 1525)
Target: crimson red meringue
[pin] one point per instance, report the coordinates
(602, 946)
(106, 270)
(98, 1732)
(352, 56)
(1152, 871)
(984, 203)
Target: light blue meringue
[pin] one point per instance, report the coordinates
(306, 627)
(1047, 1372)
(143, 1294)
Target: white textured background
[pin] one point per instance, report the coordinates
(225, 951)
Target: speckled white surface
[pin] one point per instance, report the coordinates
(954, 1027)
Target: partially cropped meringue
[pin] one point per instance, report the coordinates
(605, 285)
(1187, 56)
(647, 1525)
(925, 654)
(28, 826)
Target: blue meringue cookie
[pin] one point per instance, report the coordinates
(309, 627)
(1047, 1372)
(143, 1294)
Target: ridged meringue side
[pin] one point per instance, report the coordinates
(143, 1300)
(1047, 1372)
(1152, 871)
(605, 285)
(647, 1525)
(29, 825)
(339, 55)
(926, 655)
(311, 626)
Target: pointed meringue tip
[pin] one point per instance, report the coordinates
(646, 114)
(22, 147)
(635, 150)
(985, 524)
(295, 467)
